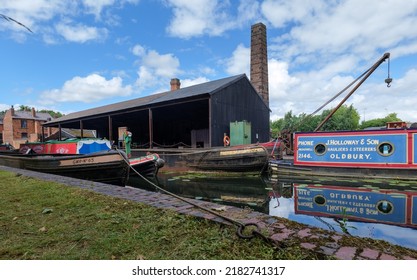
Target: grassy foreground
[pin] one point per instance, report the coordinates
(48, 221)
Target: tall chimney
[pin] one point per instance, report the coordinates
(33, 112)
(259, 60)
(12, 110)
(175, 84)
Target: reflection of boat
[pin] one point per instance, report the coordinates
(230, 190)
(147, 166)
(104, 166)
(359, 204)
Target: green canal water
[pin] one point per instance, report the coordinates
(374, 209)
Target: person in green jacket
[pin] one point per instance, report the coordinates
(127, 137)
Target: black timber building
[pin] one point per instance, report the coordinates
(196, 116)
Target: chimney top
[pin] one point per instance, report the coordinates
(175, 84)
(33, 112)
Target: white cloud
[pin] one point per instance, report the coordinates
(327, 44)
(191, 82)
(281, 12)
(198, 17)
(155, 69)
(96, 6)
(91, 88)
(40, 15)
(4, 107)
(80, 33)
(378, 100)
(239, 62)
(354, 26)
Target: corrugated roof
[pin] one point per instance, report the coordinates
(191, 91)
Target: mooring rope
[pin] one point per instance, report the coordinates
(240, 226)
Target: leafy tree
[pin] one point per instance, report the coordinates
(345, 118)
(276, 127)
(52, 113)
(392, 117)
(24, 108)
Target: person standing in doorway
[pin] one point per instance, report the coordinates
(127, 137)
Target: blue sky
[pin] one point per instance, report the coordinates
(88, 53)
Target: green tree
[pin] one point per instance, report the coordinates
(24, 108)
(345, 118)
(52, 113)
(392, 117)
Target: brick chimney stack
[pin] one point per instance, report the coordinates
(12, 110)
(33, 112)
(259, 61)
(175, 84)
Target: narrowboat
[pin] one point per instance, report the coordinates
(104, 166)
(245, 159)
(389, 153)
(147, 166)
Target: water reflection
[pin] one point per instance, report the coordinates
(378, 210)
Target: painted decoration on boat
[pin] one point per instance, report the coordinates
(391, 207)
(380, 149)
(92, 145)
(70, 147)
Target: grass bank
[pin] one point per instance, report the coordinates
(48, 221)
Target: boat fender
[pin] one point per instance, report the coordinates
(226, 140)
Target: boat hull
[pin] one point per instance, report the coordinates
(242, 159)
(106, 167)
(284, 169)
(147, 166)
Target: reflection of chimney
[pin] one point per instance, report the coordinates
(259, 61)
(33, 112)
(175, 84)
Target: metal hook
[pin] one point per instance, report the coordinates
(388, 80)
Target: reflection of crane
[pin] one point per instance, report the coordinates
(11, 19)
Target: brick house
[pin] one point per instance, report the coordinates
(23, 126)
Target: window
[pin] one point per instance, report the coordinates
(23, 123)
(385, 149)
(24, 135)
(320, 149)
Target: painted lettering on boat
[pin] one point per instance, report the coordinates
(245, 151)
(350, 156)
(83, 160)
(306, 143)
(351, 142)
(90, 160)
